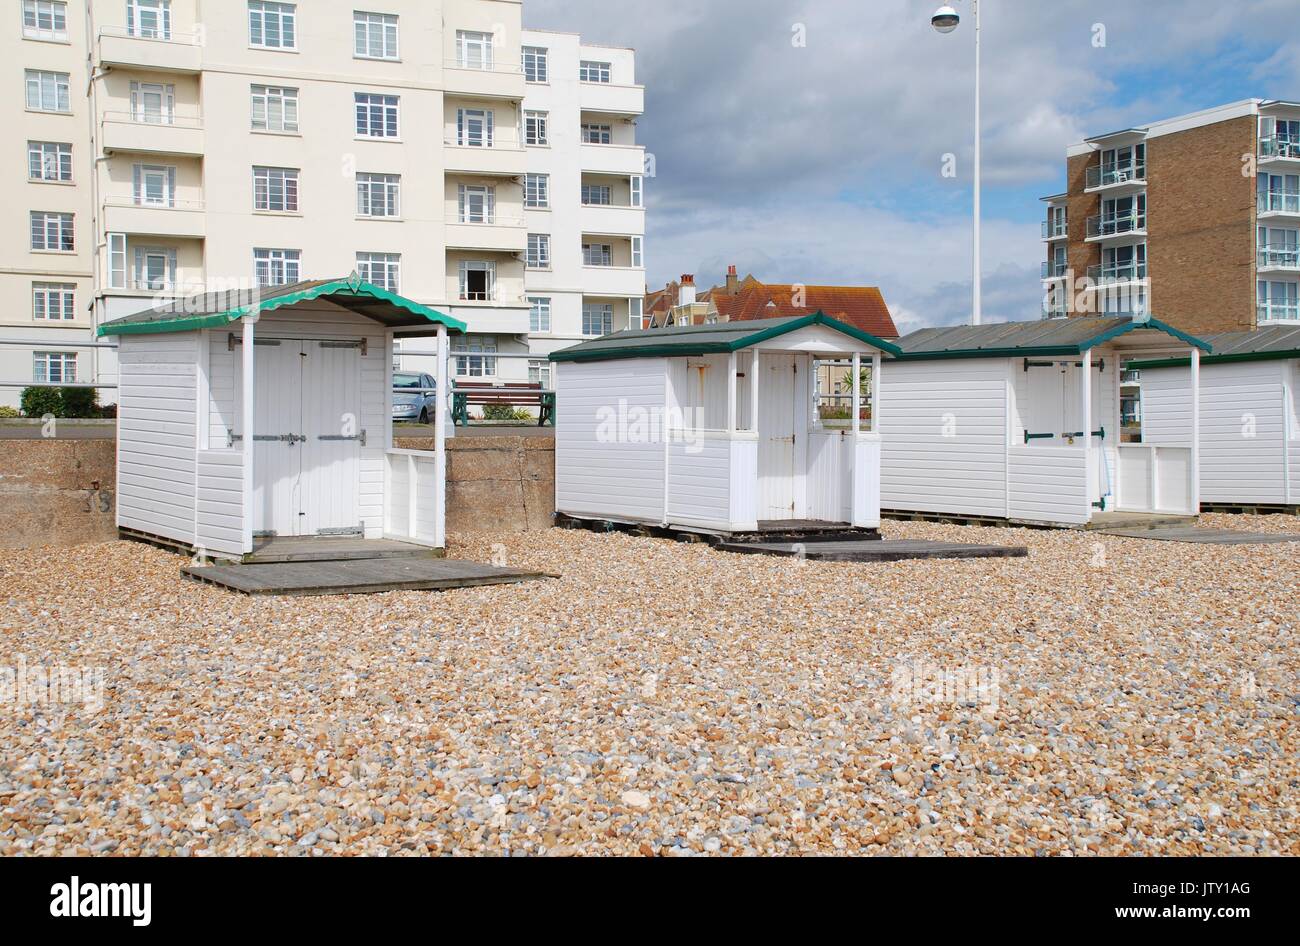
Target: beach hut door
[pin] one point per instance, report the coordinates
(776, 435)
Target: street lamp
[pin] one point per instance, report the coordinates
(945, 20)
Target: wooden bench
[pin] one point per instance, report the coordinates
(482, 393)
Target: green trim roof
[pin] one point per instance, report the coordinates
(1272, 343)
(1072, 336)
(718, 338)
(215, 309)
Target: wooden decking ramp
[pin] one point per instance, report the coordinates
(339, 566)
(878, 550)
(1205, 536)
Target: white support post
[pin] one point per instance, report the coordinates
(1090, 469)
(753, 390)
(857, 393)
(440, 441)
(876, 360)
(1196, 432)
(731, 393)
(247, 412)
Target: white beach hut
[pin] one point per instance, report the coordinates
(715, 428)
(268, 413)
(1250, 426)
(1020, 421)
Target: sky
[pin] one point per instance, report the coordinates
(805, 142)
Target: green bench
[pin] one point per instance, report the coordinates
(479, 394)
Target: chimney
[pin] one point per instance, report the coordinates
(733, 281)
(686, 295)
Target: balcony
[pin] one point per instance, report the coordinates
(505, 157)
(1109, 274)
(1279, 258)
(496, 81)
(1055, 269)
(179, 52)
(1274, 148)
(1055, 310)
(1277, 312)
(1279, 205)
(613, 281)
(1106, 226)
(612, 159)
(502, 235)
(1053, 230)
(612, 220)
(185, 219)
(123, 132)
(611, 99)
(1115, 176)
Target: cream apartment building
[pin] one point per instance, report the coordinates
(170, 146)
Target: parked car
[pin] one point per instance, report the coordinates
(417, 405)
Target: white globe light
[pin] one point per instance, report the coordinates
(945, 19)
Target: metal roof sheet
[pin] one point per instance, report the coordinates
(1070, 336)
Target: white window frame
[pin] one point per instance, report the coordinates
(48, 86)
(43, 361)
(58, 223)
(603, 192)
(140, 271)
(539, 372)
(636, 313)
(597, 311)
(535, 128)
(379, 192)
(57, 297)
(381, 269)
(603, 134)
(636, 189)
(142, 174)
(476, 203)
(55, 12)
(474, 356)
(539, 251)
(487, 118)
(603, 251)
(591, 70)
(44, 157)
(266, 260)
(166, 94)
(274, 102)
(537, 191)
(371, 105)
(117, 260)
(261, 13)
(160, 10)
(539, 316)
(288, 181)
(365, 27)
(538, 58)
(638, 252)
(489, 270)
(474, 50)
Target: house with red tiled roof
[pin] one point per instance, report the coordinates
(746, 299)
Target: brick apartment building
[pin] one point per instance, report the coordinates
(1192, 219)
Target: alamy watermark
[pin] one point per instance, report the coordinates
(51, 687)
(633, 423)
(921, 684)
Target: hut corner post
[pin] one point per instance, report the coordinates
(1089, 468)
(1196, 432)
(440, 441)
(248, 381)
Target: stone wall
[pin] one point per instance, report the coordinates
(61, 492)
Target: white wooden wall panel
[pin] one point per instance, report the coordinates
(1049, 484)
(220, 514)
(699, 482)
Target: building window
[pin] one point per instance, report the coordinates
(539, 372)
(597, 134)
(52, 232)
(272, 25)
(477, 203)
(636, 185)
(149, 19)
(54, 367)
(45, 19)
(637, 255)
(54, 301)
(376, 115)
(597, 194)
(48, 91)
(473, 50)
(473, 357)
(117, 260)
(537, 191)
(153, 103)
(381, 269)
(376, 35)
(1279, 247)
(539, 319)
(535, 64)
(49, 161)
(474, 127)
(154, 185)
(155, 269)
(597, 318)
(275, 189)
(1279, 193)
(275, 108)
(539, 251)
(478, 280)
(277, 267)
(379, 195)
(597, 254)
(535, 128)
(636, 313)
(589, 71)
(1278, 300)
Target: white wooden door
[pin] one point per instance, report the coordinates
(277, 460)
(777, 404)
(331, 454)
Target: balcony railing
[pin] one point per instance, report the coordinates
(1107, 273)
(1055, 269)
(1053, 230)
(1279, 257)
(1104, 175)
(1279, 203)
(1054, 310)
(1275, 147)
(1107, 225)
(1278, 311)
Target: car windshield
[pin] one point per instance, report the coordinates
(406, 381)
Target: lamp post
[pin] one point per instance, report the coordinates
(945, 20)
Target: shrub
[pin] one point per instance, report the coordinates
(7, 411)
(37, 402)
(79, 402)
(505, 412)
